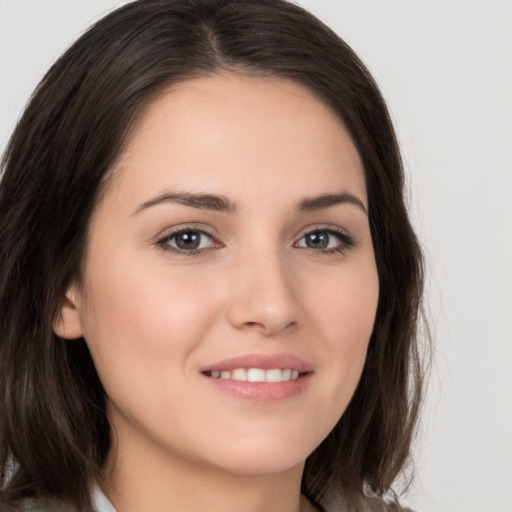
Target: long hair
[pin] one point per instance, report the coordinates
(54, 432)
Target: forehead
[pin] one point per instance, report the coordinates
(226, 130)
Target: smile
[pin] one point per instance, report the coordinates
(261, 378)
(256, 374)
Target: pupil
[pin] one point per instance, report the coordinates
(317, 240)
(189, 240)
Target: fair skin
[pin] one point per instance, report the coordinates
(235, 226)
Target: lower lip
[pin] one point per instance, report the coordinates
(262, 391)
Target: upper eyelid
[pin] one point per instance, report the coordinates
(169, 232)
(323, 227)
(341, 233)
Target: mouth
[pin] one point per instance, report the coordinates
(260, 377)
(256, 374)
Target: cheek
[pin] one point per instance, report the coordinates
(345, 315)
(346, 301)
(144, 315)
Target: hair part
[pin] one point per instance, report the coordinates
(54, 432)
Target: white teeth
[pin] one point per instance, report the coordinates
(257, 374)
(239, 374)
(274, 375)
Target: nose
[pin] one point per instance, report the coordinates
(264, 295)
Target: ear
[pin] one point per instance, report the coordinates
(67, 323)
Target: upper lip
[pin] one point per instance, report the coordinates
(263, 361)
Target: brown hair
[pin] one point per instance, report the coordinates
(54, 433)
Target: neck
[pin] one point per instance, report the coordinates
(139, 479)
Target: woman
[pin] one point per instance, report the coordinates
(210, 286)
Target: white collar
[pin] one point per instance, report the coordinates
(100, 501)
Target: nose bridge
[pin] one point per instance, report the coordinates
(264, 295)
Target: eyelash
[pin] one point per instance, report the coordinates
(163, 243)
(345, 241)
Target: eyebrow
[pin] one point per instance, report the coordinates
(221, 203)
(212, 202)
(327, 200)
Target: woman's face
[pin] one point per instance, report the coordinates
(229, 287)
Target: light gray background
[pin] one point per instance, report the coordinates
(445, 68)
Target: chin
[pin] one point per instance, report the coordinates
(257, 465)
(259, 457)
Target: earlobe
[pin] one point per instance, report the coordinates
(67, 323)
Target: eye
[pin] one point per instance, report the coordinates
(187, 240)
(328, 240)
